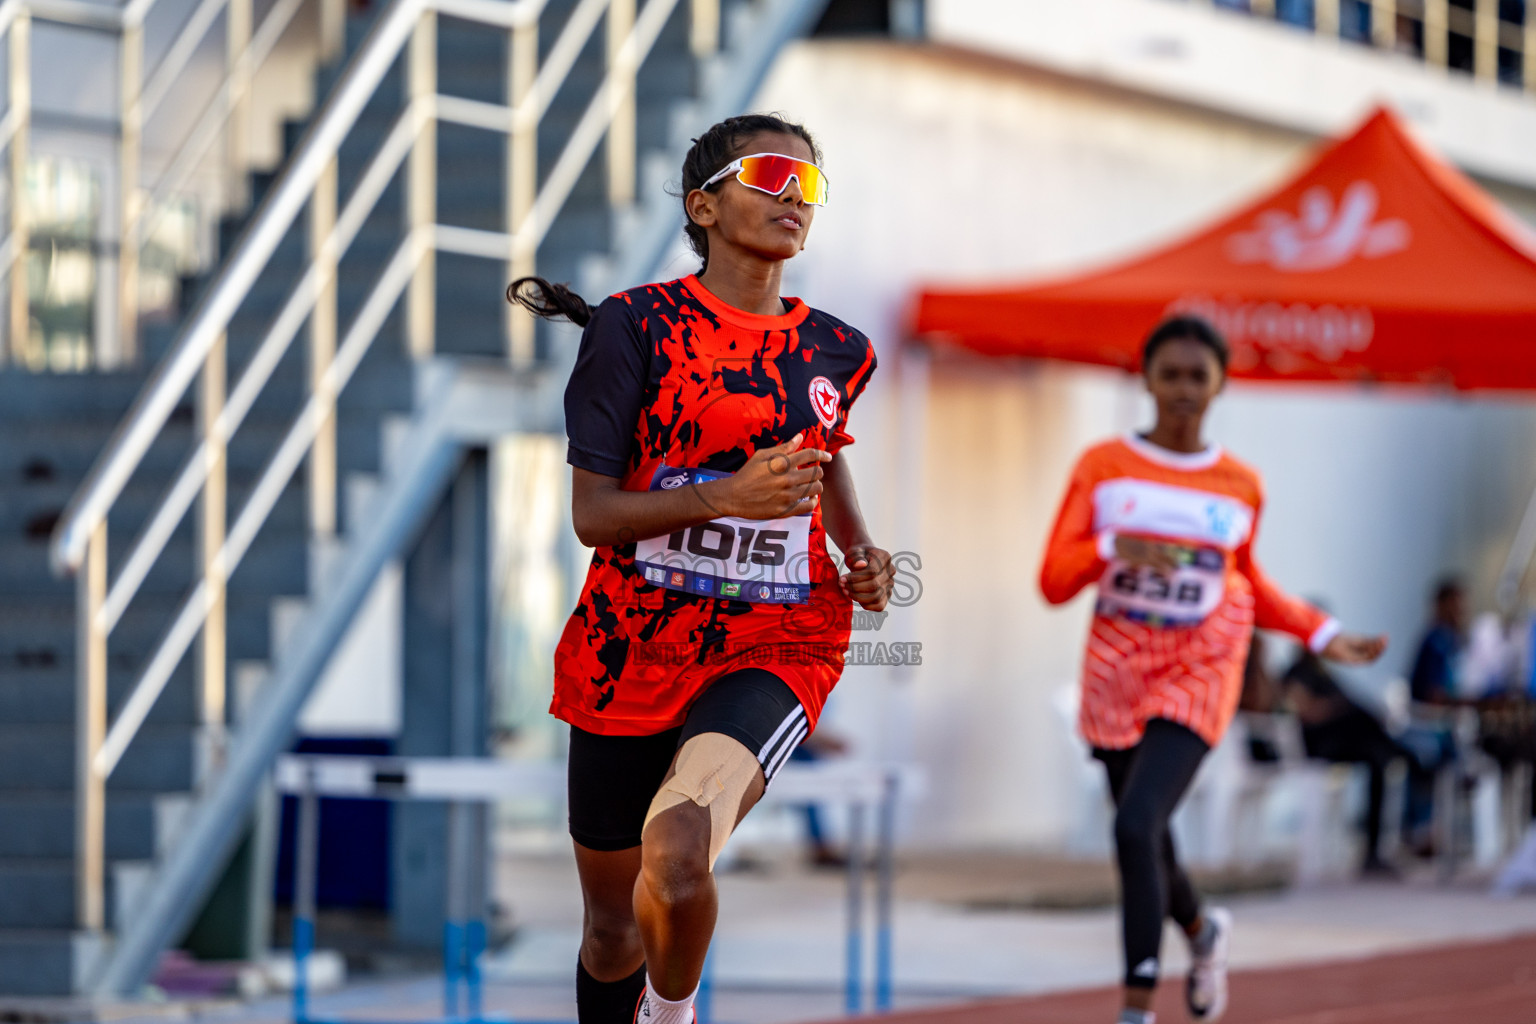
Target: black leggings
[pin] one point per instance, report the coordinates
(1147, 782)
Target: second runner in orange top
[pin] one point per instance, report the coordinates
(1164, 525)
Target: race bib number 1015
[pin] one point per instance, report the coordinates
(764, 561)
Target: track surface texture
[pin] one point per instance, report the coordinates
(1485, 983)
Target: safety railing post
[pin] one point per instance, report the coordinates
(19, 97)
(1528, 51)
(454, 910)
(1485, 41)
(1384, 23)
(333, 29)
(885, 884)
(322, 350)
(421, 200)
(621, 130)
(1325, 18)
(130, 116)
(305, 877)
(90, 731)
(522, 178)
(853, 983)
(212, 527)
(1437, 23)
(704, 29)
(237, 39)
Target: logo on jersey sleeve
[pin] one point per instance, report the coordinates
(824, 399)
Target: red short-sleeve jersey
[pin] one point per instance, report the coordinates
(670, 375)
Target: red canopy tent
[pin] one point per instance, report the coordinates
(1378, 261)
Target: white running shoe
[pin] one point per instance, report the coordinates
(1205, 990)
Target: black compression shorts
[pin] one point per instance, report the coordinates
(611, 780)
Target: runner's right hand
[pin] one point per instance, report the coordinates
(784, 480)
(1354, 649)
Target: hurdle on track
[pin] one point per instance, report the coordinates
(468, 785)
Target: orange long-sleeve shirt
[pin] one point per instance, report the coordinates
(1161, 645)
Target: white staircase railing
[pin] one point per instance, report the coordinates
(80, 541)
(143, 199)
(309, 181)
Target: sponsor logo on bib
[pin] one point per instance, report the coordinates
(678, 579)
(824, 399)
(656, 574)
(764, 591)
(730, 590)
(670, 483)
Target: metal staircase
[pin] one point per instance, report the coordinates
(302, 420)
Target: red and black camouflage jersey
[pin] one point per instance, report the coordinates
(669, 377)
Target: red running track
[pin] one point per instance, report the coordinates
(1486, 983)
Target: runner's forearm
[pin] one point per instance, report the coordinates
(604, 514)
(840, 513)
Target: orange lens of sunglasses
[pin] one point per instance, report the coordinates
(770, 172)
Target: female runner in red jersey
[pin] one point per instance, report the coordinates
(705, 418)
(1164, 524)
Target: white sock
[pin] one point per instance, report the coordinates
(656, 1010)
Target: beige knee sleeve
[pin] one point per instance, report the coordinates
(715, 772)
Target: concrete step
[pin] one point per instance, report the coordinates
(274, 565)
(68, 450)
(39, 396)
(160, 758)
(394, 435)
(32, 626)
(32, 511)
(45, 695)
(359, 497)
(49, 962)
(40, 824)
(40, 893)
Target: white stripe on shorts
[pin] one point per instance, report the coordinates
(769, 771)
(764, 755)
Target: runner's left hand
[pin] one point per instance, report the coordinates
(869, 578)
(1354, 649)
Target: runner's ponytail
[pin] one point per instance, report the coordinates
(549, 301)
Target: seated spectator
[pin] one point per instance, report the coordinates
(1438, 664)
(1434, 680)
(1335, 728)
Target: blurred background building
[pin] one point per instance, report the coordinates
(183, 208)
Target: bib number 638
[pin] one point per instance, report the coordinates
(1152, 586)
